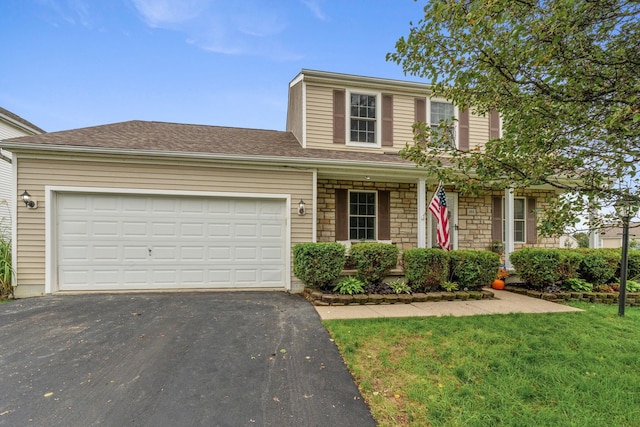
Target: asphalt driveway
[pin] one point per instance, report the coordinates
(172, 359)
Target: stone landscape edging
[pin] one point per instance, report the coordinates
(320, 298)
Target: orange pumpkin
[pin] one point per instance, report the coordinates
(498, 284)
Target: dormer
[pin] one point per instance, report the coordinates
(347, 112)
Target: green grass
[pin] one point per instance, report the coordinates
(561, 369)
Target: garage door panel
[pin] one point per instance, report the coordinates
(150, 242)
(74, 228)
(135, 276)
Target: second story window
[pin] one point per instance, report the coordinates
(363, 118)
(441, 112)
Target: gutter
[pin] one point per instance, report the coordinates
(206, 156)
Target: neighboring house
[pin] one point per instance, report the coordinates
(611, 237)
(567, 241)
(11, 126)
(149, 205)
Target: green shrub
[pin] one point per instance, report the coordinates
(6, 270)
(599, 266)
(537, 267)
(318, 264)
(373, 261)
(425, 269)
(578, 285)
(633, 286)
(569, 264)
(473, 270)
(398, 286)
(633, 266)
(449, 286)
(349, 286)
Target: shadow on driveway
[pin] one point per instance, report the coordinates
(172, 359)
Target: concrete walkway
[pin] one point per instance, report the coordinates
(504, 302)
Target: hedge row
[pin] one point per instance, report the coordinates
(319, 265)
(545, 267)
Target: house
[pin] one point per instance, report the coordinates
(11, 126)
(567, 241)
(149, 205)
(611, 236)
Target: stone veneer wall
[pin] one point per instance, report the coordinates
(474, 214)
(403, 212)
(474, 221)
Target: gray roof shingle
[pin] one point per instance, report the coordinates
(161, 137)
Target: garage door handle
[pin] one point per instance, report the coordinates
(149, 251)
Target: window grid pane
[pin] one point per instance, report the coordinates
(363, 118)
(441, 111)
(519, 220)
(362, 220)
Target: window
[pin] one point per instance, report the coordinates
(441, 111)
(363, 115)
(362, 215)
(519, 220)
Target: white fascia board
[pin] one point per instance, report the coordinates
(384, 84)
(256, 159)
(19, 125)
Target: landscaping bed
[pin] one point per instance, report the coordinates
(320, 298)
(632, 298)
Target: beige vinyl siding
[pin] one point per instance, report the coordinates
(34, 174)
(6, 196)
(319, 121)
(294, 112)
(319, 118)
(403, 117)
(6, 178)
(478, 130)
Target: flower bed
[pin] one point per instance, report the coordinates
(323, 299)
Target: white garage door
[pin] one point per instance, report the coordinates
(113, 242)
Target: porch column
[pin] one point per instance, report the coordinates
(508, 227)
(422, 213)
(594, 233)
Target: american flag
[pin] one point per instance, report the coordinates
(438, 207)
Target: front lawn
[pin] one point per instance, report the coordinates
(561, 369)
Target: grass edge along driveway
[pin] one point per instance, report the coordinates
(560, 369)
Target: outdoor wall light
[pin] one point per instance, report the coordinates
(26, 198)
(302, 209)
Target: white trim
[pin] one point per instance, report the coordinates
(314, 225)
(304, 114)
(14, 219)
(51, 284)
(509, 226)
(50, 253)
(347, 118)
(296, 79)
(422, 213)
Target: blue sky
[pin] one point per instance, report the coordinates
(74, 63)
